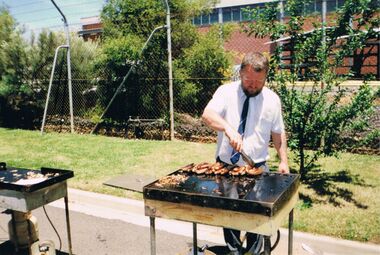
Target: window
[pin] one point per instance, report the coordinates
(286, 12)
(246, 13)
(197, 20)
(236, 14)
(214, 16)
(226, 14)
(331, 5)
(318, 6)
(309, 7)
(243, 13)
(205, 19)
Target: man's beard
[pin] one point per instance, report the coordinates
(252, 94)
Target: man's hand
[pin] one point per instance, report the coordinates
(213, 120)
(279, 142)
(235, 138)
(283, 168)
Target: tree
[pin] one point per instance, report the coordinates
(17, 106)
(207, 62)
(127, 25)
(25, 69)
(316, 116)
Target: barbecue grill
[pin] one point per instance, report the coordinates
(257, 204)
(23, 190)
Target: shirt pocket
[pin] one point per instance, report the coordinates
(265, 122)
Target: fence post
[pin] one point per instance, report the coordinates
(66, 26)
(324, 23)
(282, 15)
(171, 109)
(378, 56)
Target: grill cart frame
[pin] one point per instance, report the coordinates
(247, 212)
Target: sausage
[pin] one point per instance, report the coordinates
(217, 166)
(201, 171)
(209, 171)
(218, 171)
(187, 168)
(255, 171)
(202, 165)
(223, 171)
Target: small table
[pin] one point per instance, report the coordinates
(25, 198)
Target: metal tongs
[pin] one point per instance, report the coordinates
(247, 158)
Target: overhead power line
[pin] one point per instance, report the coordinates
(52, 8)
(71, 25)
(44, 1)
(58, 17)
(22, 5)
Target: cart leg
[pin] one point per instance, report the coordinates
(266, 245)
(290, 238)
(68, 224)
(195, 242)
(152, 236)
(15, 235)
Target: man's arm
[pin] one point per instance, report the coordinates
(216, 122)
(279, 141)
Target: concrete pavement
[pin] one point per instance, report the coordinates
(103, 224)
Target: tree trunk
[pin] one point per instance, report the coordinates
(302, 161)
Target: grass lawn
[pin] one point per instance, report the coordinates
(343, 202)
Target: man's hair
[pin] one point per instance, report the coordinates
(257, 60)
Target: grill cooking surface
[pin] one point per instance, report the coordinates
(26, 180)
(264, 194)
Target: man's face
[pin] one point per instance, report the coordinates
(252, 81)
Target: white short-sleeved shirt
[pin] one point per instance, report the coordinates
(264, 116)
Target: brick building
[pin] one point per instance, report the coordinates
(91, 28)
(227, 11)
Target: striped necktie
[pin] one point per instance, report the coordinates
(235, 155)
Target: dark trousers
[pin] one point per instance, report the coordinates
(232, 239)
(232, 236)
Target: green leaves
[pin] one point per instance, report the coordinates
(200, 62)
(318, 113)
(25, 69)
(207, 63)
(122, 51)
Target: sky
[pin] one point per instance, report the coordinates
(35, 15)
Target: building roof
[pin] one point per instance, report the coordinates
(90, 20)
(231, 3)
(311, 31)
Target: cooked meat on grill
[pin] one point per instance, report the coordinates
(188, 168)
(219, 168)
(255, 171)
(224, 171)
(239, 170)
(201, 170)
(171, 180)
(202, 165)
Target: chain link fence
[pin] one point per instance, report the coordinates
(141, 108)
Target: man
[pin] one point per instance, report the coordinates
(246, 114)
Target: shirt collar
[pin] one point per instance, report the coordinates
(241, 92)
